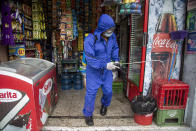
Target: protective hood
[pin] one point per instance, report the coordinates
(105, 22)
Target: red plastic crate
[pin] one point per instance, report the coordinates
(132, 90)
(170, 94)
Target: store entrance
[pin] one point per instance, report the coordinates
(68, 111)
(71, 68)
(52, 34)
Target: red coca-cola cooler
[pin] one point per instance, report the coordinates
(137, 51)
(28, 93)
(152, 53)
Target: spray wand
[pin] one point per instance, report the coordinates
(136, 62)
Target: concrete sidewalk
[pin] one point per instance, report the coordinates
(117, 128)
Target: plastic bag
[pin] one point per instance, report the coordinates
(143, 105)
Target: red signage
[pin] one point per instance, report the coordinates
(163, 43)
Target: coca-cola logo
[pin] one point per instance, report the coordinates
(9, 95)
(164, 43)
(47, 86)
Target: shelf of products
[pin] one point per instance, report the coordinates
(27, 22)
(17, 25)
(70, 65)
(30, 50)
(39, 30)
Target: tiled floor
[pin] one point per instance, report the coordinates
(68, 111)
(67, 115)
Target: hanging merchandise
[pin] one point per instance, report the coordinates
(131, 1)
(17, 23)
(110, 11)
(130, 8)
(75, 27)
(66, 27)
(68, 34)
(13, 29)
(80, 39)
(86, 11)
(128, 1)
(66, 23)
(114, 2)
(7, 36)
(38, 21)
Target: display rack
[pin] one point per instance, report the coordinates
(30, 51)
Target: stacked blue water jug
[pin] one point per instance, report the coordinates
(72, 80)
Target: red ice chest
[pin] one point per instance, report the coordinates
(28, 94)
(170, 94)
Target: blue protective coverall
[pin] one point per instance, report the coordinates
(98, 54)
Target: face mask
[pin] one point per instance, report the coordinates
(108, 34)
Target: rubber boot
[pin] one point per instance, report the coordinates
(103, 110)
(89, 120)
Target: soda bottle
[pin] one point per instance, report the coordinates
(163, 47)
(167, 22)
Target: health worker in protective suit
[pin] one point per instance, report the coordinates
(101, 50)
